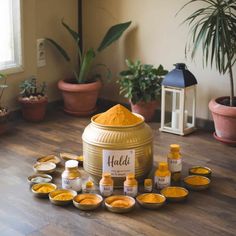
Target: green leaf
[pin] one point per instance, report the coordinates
(86, 65)
(113, 34)
(59, 48)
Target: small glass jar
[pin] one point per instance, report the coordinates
(131, 186)
(106, 185)
(88, 187)
(148, 185)
(162, 176)
(71, 178)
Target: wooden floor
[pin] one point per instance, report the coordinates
(212, 212)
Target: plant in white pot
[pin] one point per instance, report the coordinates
(213, 28)
(141, 84)
(4, 111)
(80, 93)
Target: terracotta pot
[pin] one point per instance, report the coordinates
(146, 109)
(225, 121)
(33, 110)
(4, 123)
(79, 99)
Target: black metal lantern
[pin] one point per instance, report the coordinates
(178, 104)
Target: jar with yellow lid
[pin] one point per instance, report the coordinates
(162, 176)
(71, 178)
(131, 186)
(88, 186)
(148, 185)
(175, 162)
(106, 185)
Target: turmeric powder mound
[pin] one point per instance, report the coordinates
(197, 180)
(118, 115)
(151, 198)
(174, 192)
(200, 170)
(120, 204)
(63, 197)
(45, 189)
(89, 201)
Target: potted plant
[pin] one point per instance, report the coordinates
(33, 100)
(4, 112)
(213, 28)
(80, 93)
(141, 84)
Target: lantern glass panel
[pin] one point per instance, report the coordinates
(189, 107)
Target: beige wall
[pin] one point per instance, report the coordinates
(155, 37)
(41, 18)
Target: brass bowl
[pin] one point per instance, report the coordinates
(87, 207)
(192, 171)
(45, 179)
(60, 191)
(199, 186)
(97, 138)
(40, 194)
(150, 205)
(49, 158)
(128, 199)
(175, 198)
(44, 168)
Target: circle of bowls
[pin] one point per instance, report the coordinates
(151, 205)
(61, 202)
(46, 170)
(87, 207)
(48, 178)
(110, 208)
(197, 187)
(175, 198)
(42, 195)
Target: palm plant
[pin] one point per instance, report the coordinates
(86, 59)
(213, 27)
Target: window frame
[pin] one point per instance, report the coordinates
(18, 63)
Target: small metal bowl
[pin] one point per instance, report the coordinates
(56, 192)
(49, 158)
(39, 194)
(109, 200)
(175, 198)
(69, 156)
(44, 179)
(44, 168)
(197, 187)
(150, 205)
(193, 171)
(87, 207)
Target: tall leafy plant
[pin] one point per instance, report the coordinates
(213, 28)
(86, 59)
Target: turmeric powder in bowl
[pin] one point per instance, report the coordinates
(200, 170)
(151, 200)
(43, 189)
(118, 115)
(87, 201)
(197, 182)
(175, 193)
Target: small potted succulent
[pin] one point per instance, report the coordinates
(80, 92)
(141, 84)
(4, 112)
(33, 100)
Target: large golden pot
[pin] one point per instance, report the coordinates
(99, 139)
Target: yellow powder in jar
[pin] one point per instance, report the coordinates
(197, 180)
(174, 192)
(151, 198)
(200, 170)
(120, 204)
(63, 197)
(45, 189)
(118, 115)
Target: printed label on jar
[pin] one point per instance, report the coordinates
(175, 165)
(131, 191)
(162, 182)
(118, 162)
(148, 189)
(106, 190)
(74, 184)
